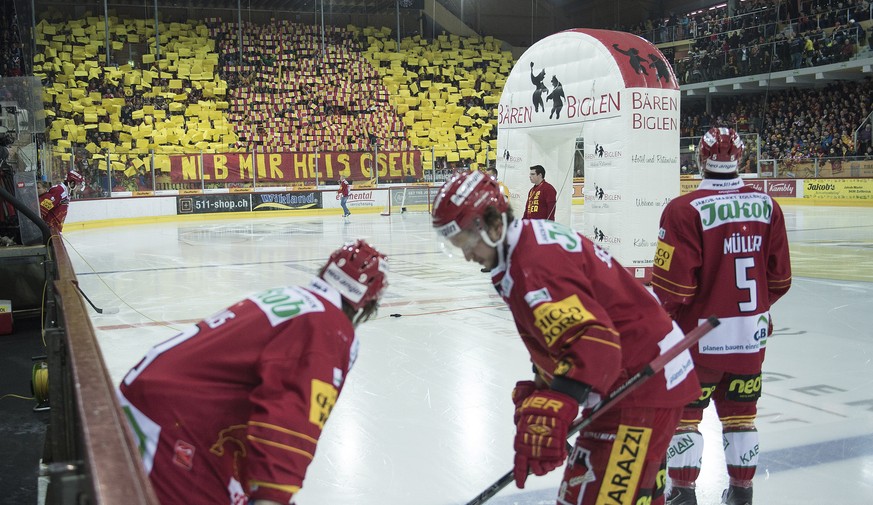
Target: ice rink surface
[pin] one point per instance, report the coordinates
(426, 416)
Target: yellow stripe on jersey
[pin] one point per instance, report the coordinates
(280, 446)
(600, 341)
(272, 485)
(675, 283)
(779, 282)
(283, 430)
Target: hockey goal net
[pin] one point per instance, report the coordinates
(413, 198)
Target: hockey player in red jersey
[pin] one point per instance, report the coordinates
(53, 203)
(588, 325)
(722, 250)
(230, 410)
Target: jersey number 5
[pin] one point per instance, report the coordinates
(742, 267)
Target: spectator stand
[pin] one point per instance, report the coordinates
(805, 132)
(447, 91)
(120, 124)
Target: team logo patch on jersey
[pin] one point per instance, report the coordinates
(664, 256)
(321, 401)
(534, 298)
(554, 319)
(183, 454)
(625, 465)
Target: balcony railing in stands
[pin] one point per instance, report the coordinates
(698, 29)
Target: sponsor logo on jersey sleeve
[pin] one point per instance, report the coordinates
(678, 368)
(282, 304)
(554, 318)
(534, 298)
(321, 401)
(664, 256)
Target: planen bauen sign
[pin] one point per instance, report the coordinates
(290, 167)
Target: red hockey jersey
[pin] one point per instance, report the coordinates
(53, 206)
(235, 405)
(582, 315)
(723, 250)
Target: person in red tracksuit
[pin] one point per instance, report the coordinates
(588, 326)
(722, 250)
(230, 410)
(53, 204)
(542, 199)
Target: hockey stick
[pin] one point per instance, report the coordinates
(108, 310)
(655, 366)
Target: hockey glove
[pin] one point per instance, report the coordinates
(520, 392)
(541, 433)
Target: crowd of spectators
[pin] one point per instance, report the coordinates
(11, 49)
(762, 36)
(288, 91)
(794, 124)
(138, 104)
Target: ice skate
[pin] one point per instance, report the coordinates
(682, 496)
(735, 495)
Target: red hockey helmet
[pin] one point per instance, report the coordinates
(462, 201)
(358, 272)
(720, 150)
(73, 176)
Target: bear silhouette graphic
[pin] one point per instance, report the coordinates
(557, 98)
(539, 88)
(660, 67)
(635, 59)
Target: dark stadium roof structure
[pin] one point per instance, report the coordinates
(351, 6)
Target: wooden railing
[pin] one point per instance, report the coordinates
(90, 456)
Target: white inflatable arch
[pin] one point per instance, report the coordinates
(616, 93)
